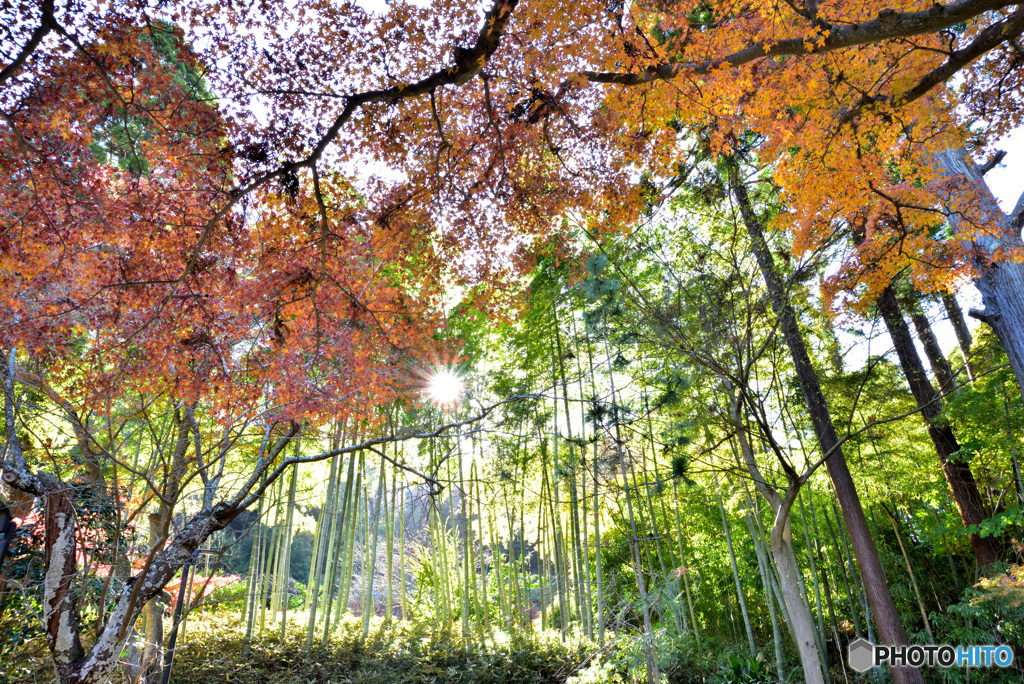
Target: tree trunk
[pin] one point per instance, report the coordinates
(252, 598)
(963, 334)
(803, 624)
(1001, 282)
(371, 552)
(321, 541)
(913, 580)
(350, 544)
(1002, 292)
(287, 569)
(958, 473)
(937, 360)
(735, 572)
(401, 551)
(764, 567)
(870, 567)
(780, 539)
(154, 614)
(60, 599)
(817, 589)
(582, 604)
(652, 665)
(598, 562)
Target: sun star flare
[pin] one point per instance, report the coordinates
(445, 387)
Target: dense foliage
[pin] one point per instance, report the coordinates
(611, 321)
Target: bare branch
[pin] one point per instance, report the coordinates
(1009, 28)
(46, 24)
(992, 162)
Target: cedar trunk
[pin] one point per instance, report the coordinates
(958, 473)
(1001, 282)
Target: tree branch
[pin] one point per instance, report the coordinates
(46, 24)
(1009, 28)
(889, 24)
(992, 162)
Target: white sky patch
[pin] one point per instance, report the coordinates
(1007, 179)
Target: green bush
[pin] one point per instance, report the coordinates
(991, 612)
(744, 670)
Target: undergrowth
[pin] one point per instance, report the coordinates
(393, 652)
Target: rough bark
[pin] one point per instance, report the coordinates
(60, 599)
(875, 583)
(963, 335)
(1001, 282)
(1002, 291)
(936, 359)
(958, 474)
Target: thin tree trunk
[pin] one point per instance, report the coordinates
(963, 334)
(764, 567)
(389, 528)
(817, 590)
(320, 543)
(825, 578)
(672, 578)
(337, 558)
(735, 571)
(289, 519)
(684, 567)
(913, 579)
(845, 563)
(370, 573)
(349, 561)
(558, 541)
(652, 664)
(574, 505)
(882, 605)
(466, 551)
(940, 366)
(401, 551)
(597, 514)
(254, 576)
(958, 473)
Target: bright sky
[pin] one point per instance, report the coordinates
(1007, 179)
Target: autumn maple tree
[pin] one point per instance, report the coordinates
(258, 210)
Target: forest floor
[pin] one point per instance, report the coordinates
(394, 652)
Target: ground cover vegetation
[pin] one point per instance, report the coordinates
(508, 342)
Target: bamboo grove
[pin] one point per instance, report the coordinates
(632, 497)
(636, 327)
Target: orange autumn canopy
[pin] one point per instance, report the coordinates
(275, 204)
